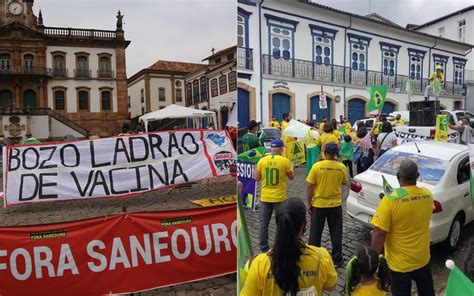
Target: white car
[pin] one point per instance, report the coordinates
(444, 169)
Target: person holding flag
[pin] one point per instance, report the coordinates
(436, 79)
(402, 229)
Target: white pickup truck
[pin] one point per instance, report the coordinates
(407, 133)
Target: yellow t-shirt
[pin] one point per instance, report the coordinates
(378, 127)
(324, 139)
(399, 122)
(321, 125)
(310, 139)
(273, 169)
(440, 76)
(337, 134)
(328, 177)
(368, 290)
(283, 124)
(274, 123)
(316, 267)
(347, 128)
(407, 221)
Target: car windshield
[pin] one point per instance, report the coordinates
(272, 133)
(431, 169)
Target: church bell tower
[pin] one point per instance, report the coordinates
(20, 11)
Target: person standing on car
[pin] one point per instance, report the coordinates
(437, 75)
(402, 229)
(324, 200)
(385, 140)
(273, 170)
(250, 139)
(464, 131)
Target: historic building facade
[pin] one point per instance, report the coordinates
(288, 52)
(76, 76)
(158, 86)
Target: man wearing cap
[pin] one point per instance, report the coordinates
(273, 170)
(402, 227)
(250, 139)
(437, 75)
(324, 198)
(464, 131)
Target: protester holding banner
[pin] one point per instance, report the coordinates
(464, 131)
(250, 139)
(291, 266)
(327, 137)
(273, 170)
(386, 140)
(402, 229)
(324, 198)
(436, 77)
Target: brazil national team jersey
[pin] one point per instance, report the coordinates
(250, 141)
(273, 169)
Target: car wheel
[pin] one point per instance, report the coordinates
(454, 236)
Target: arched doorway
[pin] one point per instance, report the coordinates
(29, 99)
(356, 108)
(320, 113)
(6, 99)
(457, 105)
(243, 105)
(224, 116)
(388, 107)
(280, 105)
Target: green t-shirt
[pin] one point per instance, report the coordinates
(250, 141)
(347, 149)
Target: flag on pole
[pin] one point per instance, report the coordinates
(392, 193)
(458, 283)
(442, 128)
(377, 98)
(244, 250)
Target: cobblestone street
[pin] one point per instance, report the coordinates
(355, 235)
(161, 200)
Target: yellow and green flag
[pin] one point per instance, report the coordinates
(377, 98)
(244, 250)
(459, 284)
(392, 193)
(442, 128)
(252, 156)
(436, 87)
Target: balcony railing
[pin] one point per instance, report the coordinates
(308, 70)
(80, 33)
(245, 58)
(105, 74)
(60, 73)
(41, 71)
(82, 74)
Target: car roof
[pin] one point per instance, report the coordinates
(440, 150)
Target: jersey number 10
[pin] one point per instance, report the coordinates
(272, 176)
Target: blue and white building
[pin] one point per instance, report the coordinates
(288, 51)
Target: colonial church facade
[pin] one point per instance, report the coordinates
(75, 76)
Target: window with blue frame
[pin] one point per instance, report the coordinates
(243, 28)
(203, 89)
(281, 33)
(440, 60)
(415, 69)
(196, 90)
(358, 51)
(389, 58)
(459, 66)
(323, 44)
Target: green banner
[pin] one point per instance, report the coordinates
(377, 98)
(244, 250)
(459, 284)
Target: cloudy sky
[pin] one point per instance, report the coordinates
(182, 30)
(186, 30)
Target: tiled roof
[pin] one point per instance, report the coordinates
(378, 17)
(171, 66)
(230, 48)
(445, 17)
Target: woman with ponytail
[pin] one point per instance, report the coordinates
(367, 274)
(291, 268)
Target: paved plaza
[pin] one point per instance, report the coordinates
(355, 235)
(161, 200)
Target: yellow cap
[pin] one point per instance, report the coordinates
(438, 67)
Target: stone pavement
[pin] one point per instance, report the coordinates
(354, 235)
(55, 212)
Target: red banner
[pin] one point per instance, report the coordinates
(118, 254)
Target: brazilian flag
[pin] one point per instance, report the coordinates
(392, 193)
(377, 98)
(252, 156)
